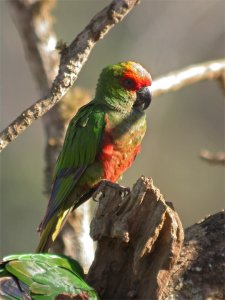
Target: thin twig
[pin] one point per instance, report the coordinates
(218, 158)
(72, 60)
(193, 74)
(187, 76)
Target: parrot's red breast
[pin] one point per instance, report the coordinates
(117, 154)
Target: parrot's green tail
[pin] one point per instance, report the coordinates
(51, 231)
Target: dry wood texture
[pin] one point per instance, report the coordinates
(200, 271)
(139, 240)
(140, 253)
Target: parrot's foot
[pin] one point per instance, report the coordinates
(104, 183)
(123, 190)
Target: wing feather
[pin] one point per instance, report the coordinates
(81, 146)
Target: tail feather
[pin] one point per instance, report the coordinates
(51, 230)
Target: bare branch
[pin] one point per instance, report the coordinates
(218, 158)
(35, 25)
(187, 76)
(34, 22)
(213, 70)
(72, 60)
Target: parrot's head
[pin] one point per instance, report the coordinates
(124, 86)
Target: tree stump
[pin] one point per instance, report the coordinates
(140, 254)
(139, 240)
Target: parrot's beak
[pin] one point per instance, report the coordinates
(143, 99)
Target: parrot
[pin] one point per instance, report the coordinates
(43, 276)
(101, 142)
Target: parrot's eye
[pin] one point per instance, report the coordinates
(128, 83)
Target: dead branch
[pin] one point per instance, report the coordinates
(35, 25)
(212, 70)
(218, 158)
(139, 240)
(73, 58)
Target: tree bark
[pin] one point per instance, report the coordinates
(200, 271)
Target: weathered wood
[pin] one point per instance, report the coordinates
(139, 240)
(199, 273)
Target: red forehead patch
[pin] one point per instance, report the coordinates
(131, 81)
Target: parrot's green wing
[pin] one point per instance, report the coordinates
(81, 146)
(82, 139)
(42, 277)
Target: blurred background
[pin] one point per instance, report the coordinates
(163, 36)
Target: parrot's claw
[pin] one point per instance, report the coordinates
(123, 190)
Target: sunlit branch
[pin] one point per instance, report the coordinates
(218, 158)
(35, 25)
(187, 76)
(72, 60)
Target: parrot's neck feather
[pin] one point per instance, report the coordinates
(120, 103)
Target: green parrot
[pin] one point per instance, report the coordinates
(42, 277)
(101, 142)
